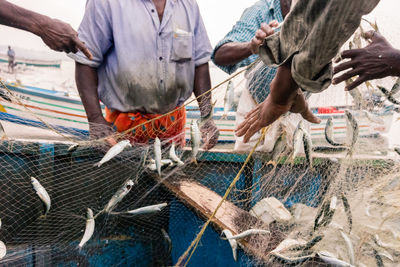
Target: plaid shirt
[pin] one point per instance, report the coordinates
(243, 31)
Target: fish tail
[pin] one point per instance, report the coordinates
(194, 160)
(272, 162)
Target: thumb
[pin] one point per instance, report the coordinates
(309, 116)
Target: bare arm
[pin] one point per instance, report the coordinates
(234, 52)
(56, 34)
(87, 82)
(202, 83)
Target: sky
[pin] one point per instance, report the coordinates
(219, 16)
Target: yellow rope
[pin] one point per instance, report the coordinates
(196, 241)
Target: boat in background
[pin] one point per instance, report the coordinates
(66, 113)
(33, 62)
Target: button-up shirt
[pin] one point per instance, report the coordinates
(263, 11)
(144, 65)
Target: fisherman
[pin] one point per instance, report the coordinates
(11, 59)
(377, 60)
(57, 35)
(239, 48)
(148, 59)
(311, 36)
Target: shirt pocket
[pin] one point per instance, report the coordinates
(182, 46)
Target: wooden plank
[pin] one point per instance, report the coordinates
(229, 216)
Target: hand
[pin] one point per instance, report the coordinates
(262, 33)
(284, 96)
(377, 60)
(101, 129)
(209, 134)
(60, 36)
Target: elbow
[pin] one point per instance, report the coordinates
(219, 58)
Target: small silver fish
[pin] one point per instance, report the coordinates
(167, 238)
(42, 193)
(157, 155)
(89, 230)
(352, 129)
(329, 133)
(2, 132)
(207, 118)
(373, 118)
(388, 95)
(350, 248)
(148, 209)
(229, 98)
(112, 152)
(249, 233)
(145, 155)
(73, 147)
(357, 39)
(195, 136)
(152, 166)
(3, 250)
(357, 96)
(118, 196)
(297, 140)
(347, 210)
(308, 149)
(0, 223)
(279, 148)
(396, 87)
(330, 259)
(232, 242)
(397, 150)
(173, 156)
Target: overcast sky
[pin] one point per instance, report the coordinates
(219, 17)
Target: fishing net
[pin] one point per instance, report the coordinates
(326, 205)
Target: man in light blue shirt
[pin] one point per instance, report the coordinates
(148, 58)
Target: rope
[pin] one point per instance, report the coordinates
(196, 241)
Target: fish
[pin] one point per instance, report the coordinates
(73, 148)
(309, 245)
(347, 210)
(388, 95)
(279, 148)
(330, 259)
(350, 248)
(249, 233)
(195, 136)
(118, 196)
(173, 156)
(352, 130)
(329, 133)
(373, 25)
(357, 39)
(3, 250)
(113, 151)
(228, 99)
(351, 45)
(397, 150)
(308, 149)
(42, 193)
(207, 118)
(157, 155)
(356, 95)
(145, 155)
(2, 132)
(89, 230)
(329, 149)
(373, 118)
(232, 242)
(396, 87)
(148, 209)
(378, 259)
(297, 140)
(295, 261)
(167, 238)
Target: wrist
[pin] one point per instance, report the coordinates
(395, 66)
(96, 118)
(39, 25)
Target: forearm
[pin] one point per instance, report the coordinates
(17, 17)
(395, 64)
(232, 53)
(283, 87)
(202, 84)
(87, 82)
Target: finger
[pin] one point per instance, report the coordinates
(253, 112)
(347, 76)
(82, 47)
(266, 29)
(260, 35)
(242, 129)
(373, 36)
(309, 116)
(74, 49)
(273, 23)
(344, 66)
(356, 83)
(352, 53)
(251, 131)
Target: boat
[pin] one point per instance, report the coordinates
(66, 113)
(33, 62)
